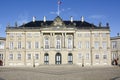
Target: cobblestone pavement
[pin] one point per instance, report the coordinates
(60, 73)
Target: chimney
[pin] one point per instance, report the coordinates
(71, 19)
(34, 18)
(44, 19)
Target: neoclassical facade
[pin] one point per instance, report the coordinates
(115, 49)
(58, 42)
(2, 51)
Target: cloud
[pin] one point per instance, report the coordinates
(22, 18)
(97, 16)
(61, 11)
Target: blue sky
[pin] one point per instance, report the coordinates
(94, 11)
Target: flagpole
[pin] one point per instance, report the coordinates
(58, 9)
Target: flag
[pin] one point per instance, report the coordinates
(59, 2)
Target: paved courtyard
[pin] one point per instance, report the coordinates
(60, 73)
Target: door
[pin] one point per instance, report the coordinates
(58, 58)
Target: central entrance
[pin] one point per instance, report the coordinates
(58, 58)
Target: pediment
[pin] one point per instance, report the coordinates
(58, 22)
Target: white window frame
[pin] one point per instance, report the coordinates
(58, 43)
(70, 43)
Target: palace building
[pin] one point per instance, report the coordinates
(115, 50)
(2, 51)
(58, 42)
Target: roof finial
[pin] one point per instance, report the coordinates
(71, 18)
(44, 18)
(82, 19)
(34, 18)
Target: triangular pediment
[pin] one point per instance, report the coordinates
(58, 21)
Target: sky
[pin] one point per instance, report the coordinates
(94, 11)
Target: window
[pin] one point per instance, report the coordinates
(19, 56)
(87, 34)
(114, 44)
(36, 34)
(96, 56)
(11, 35)
(11, 45)
(104, 45)
(36, 45)
(28, 45)
(19, 45)
(79, 56)
(28, 56)
(36, 56)
(1, 56)
(1, 45)
(46, 43)
(46, 58)
(58, 43)
(11, 56)
(96, 34)
(104, 34)
(19, 34)
(87, 56)
(104, 56)
(70, 58)
(70, 43)
(87, 44)
(79, 44)
(96, 45)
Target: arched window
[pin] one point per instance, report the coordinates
(58, 58)
(70, 58)
(70, 43)
(46, 58)
(58, 43)
(46, 43)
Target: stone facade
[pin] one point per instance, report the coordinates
(115, 48)
(2, 51)
(57, 42)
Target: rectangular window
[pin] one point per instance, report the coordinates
(87, 34)
(96, 45)
(87, 56)
(79, 44)
(104, 35)
(79, 56)
(28, 45)
(11, 45)
(46, 43)
(11, 56)
(58, 43)
(2, 45)
(19, 45)
(114, 44)
(70, 43)
(96, 34)
(87, 44)
(1, 56)
(29, 56)
(36, 56)
(104, 45)
(96, 56)
(104, 56)
(29, 35)
(19, 56)
(36, 45)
